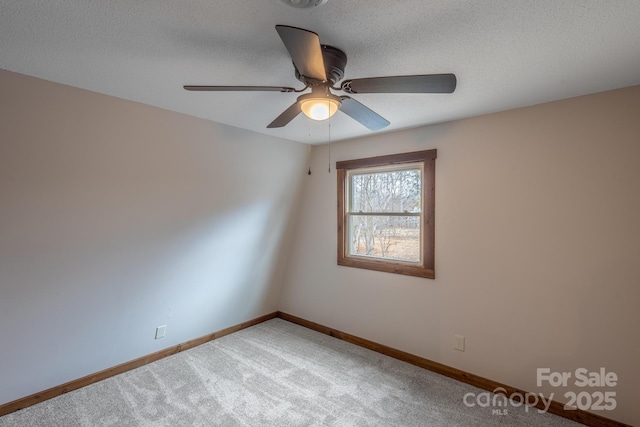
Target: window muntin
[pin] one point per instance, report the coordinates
(405, 219)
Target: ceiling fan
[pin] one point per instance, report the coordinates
(320, 67)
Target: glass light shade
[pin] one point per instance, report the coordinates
(319, 108)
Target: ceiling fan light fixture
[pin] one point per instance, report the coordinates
(320, 66)
(319, 108)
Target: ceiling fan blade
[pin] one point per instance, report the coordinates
(426, 83)
(305, 50)
(238, 88)
(286, 116)
(357, 111)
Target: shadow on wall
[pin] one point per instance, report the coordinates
(228, 263)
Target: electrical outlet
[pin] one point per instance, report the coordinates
(160, 331)
(459, 342)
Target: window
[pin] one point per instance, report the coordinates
(386, 213)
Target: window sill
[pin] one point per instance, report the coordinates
(388, 267)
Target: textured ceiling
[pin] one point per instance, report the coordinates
(506, 54)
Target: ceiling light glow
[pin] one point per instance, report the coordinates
(319, 108)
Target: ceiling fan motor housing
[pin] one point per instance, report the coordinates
(335, 61)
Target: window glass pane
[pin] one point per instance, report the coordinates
(386, 191)
(390, 237)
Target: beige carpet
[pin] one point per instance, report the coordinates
(274, 374)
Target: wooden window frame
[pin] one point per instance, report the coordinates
(426, 267)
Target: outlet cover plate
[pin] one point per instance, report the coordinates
(160, 331)
(459, 342)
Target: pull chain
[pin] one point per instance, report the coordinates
(309, 147)
(309, 153)
(328, 106)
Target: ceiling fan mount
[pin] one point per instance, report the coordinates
(320, 67)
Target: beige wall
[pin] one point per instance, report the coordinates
(117, 217)
(537, 247)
